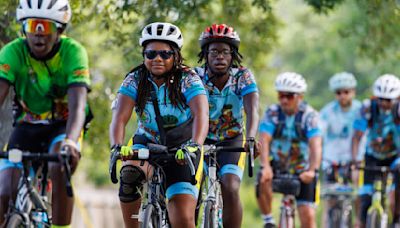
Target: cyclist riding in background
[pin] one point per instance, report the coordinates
(230, 89)
(184, 109)
(50, 76)
(337, 118)
(380, 116)
(336, 121)
(289, 133)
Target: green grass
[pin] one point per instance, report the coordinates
(251, 213)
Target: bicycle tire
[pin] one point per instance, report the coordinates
(334, 218)
(210, 215)
(151, 218)
(346, 221)
(374, 220)
(15, 221)
(286, 220)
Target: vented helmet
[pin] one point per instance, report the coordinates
(55, 10)
(290, 82)
(343, 80)
(162, 31)
(387, 86)
(219, 33)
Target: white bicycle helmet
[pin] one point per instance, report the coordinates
(343, 80)
(290, 82)
(162, 31)
(387, 86)
(55, 10)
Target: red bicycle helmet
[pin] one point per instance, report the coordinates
(219, 33)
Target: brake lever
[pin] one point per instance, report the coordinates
(67, 169)
(251, 143)
(113, 167)
(188, 159)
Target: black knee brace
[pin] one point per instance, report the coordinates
(131, 183)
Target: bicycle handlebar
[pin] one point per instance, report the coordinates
(16, 155)
(154, 153)
(251, 142)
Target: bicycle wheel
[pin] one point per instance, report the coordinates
(210, 215)
(286, 219)
(15, 221)
(334, 217)
(346, 221)
(374, 219)
(151, 218)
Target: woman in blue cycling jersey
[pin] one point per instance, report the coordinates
(181, 99)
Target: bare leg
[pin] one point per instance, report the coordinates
(181, 211)
(233, 212)
(307, 216)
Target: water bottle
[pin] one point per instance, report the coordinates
(40, 219)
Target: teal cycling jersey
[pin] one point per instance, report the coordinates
(337, 130)
(289, 150)
(383, 136)
(41, 85)
(226, 106)
(191, 86)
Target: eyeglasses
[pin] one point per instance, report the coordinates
(289, 96)
(339, 92)
(40, 26)
(152, 54)
(215, 53)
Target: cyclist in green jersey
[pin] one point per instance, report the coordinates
(50, 76)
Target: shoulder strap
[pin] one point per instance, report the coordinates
(159, 120)
(281, 123)
(300, 131)
(395, 112)
(374, 110)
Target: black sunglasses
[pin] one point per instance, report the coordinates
(152, 54)
(338, 92)
(288, 96)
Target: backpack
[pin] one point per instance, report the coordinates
(300, 131)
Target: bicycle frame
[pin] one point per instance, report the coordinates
(213, 204)
(339, 195)
(379, 199)
(153, 196)
(287, 214)
(29, 201)
(31, 208)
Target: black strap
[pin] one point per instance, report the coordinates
(159, 120)
(374, 110)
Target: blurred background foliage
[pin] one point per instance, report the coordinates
(316, 38)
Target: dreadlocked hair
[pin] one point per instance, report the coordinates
(172, 81)
(236, 56)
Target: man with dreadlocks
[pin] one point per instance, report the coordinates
(228, 85)
(181, 99)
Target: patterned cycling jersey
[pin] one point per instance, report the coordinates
(337, 130)
(291, 153)
(383, 137)
(226, 106)
(172, 116)
(41, 86)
